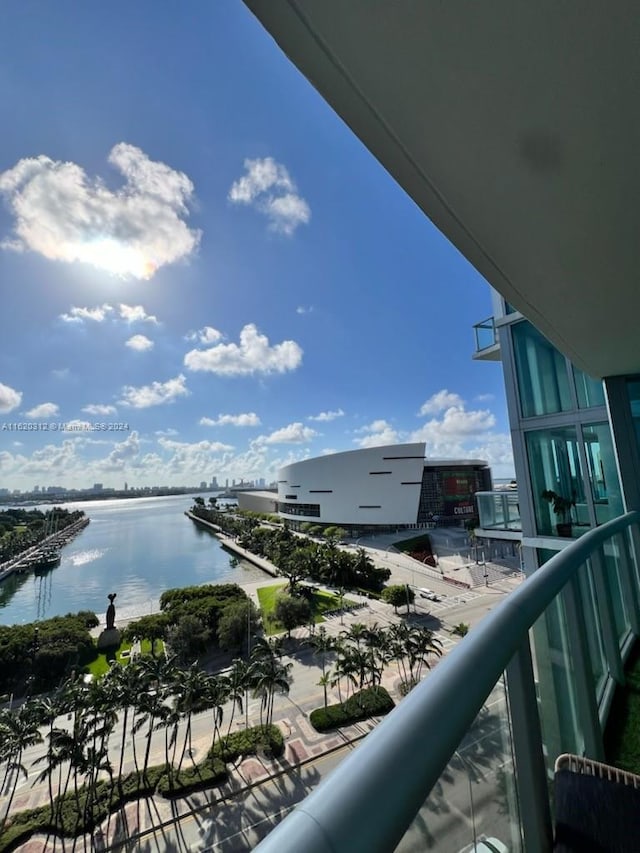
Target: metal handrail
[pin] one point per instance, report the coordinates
(373, 796)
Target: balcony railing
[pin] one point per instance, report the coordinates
(485, 333)
(437, 773)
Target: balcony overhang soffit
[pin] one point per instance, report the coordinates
(515, 128)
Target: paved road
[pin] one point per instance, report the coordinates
(463, 803)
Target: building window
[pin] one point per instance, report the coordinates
(590, 391)
(291, 497)
(369, 506)
(310, 510)
(320, 491)
(603, 472)
(543, 380)
(554, 464)
(380, 472)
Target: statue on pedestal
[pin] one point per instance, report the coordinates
(110, 637)
(111, 611)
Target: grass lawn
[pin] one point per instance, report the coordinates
(100, 665)
(320, 603)
(145, 647)
(622, 736)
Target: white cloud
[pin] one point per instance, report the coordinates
(484, 398)
(327, 416)
(63, 214)
(124, 452)
(10, 399)
(439, 402)
(467, 434)
(252, 355)
(128, 313)
(295, 433)
(267, 187)
(44, 410)
(206, 335)
(155, 394)
(247, 419)
(78, 315)
(99, 409)
(61, 373)
(166, 432)
(139, 343)
(304, 309)
(377, 433)
(136, 314)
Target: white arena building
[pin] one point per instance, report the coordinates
(380, 487)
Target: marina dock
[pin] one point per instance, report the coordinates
(45, 554)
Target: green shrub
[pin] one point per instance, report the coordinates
(267, 740)
(205, 775)
(370, 702)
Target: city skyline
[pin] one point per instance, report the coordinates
(210, 272)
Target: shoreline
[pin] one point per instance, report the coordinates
(231, 545)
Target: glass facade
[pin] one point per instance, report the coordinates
(603, 473)
(543, 379)
(590, 392)
(554, 465)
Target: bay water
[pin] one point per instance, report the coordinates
(135, 547)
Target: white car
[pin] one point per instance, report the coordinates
(430, 594)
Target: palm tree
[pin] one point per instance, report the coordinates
(322, 643)
(218, 691)
(345, 667)
(324, 682)
(191, 697)
(17, 732)
(237, 685)
(47, 709)
(267, 676)
(124, 680)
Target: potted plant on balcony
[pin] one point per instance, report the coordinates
(562, 508)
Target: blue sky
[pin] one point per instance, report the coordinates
(194, 246)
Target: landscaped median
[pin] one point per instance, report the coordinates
(72, 814)
(370, 702)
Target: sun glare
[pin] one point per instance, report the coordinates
(114, 257)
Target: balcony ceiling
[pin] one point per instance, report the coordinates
(515, 127)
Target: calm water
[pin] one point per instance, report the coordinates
(136, 548)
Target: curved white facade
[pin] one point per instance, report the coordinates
(377, 485)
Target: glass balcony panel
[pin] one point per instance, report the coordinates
(476, 795)
(554, 675)
(594, 628)
(485, 333)
(612, 560)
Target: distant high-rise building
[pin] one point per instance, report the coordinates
(126, 487)
(97, 487)
(226, 483)
(203, 484)
(214, 483)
